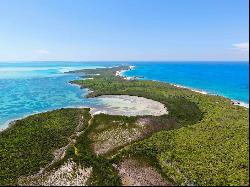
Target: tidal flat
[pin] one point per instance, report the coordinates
(128, 106)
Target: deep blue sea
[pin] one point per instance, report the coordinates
(228, 79)
(31, 87)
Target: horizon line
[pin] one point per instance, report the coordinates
(13, 61)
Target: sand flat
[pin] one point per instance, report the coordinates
(128, 106)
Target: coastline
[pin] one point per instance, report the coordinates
(118, 136)
(120, 73)
(10, 122)
(233, 101)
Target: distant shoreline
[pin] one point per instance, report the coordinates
(234, 102)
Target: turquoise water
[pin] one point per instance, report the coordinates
(27, 88)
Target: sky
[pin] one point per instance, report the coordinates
(124, 30)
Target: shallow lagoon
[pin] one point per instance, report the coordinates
(27, 88)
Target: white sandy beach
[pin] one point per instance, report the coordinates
(234, 102)
(121, 73)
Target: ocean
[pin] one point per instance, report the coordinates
(32, 87)
(228, 79)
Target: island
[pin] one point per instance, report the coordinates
(193, 139)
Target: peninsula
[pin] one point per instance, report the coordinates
(192, 139)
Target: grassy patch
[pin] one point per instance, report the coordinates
(29, 144)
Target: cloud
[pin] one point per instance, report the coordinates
(42, 51)
(244, 47)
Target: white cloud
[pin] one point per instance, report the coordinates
(42, 51)
(242, 46)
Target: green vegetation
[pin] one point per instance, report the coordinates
(212, 146)
(202, 141)
(29, 144)
(103, 173)
(108, 73)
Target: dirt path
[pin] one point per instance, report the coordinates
(68, 173)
